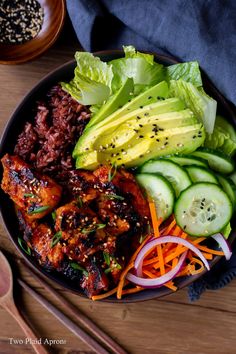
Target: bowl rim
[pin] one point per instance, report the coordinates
(131, 298)
(39, 50)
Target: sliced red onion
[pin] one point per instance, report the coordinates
(157, 282)
(138, 264)
(223, 244)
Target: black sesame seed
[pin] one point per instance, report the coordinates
(141, 136)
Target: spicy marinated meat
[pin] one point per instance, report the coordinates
(97, 220)
(34, 193)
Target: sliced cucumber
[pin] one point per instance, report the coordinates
(203, 209)
(216, 160)
(183, 160)
(160, 190)
(200, 174)
(233, 177)
(177, 176)
(229, 188)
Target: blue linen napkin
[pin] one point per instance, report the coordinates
(202, 30)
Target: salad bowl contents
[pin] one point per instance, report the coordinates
(122, 178)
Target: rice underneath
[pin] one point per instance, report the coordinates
(47, 142)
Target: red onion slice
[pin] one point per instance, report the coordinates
(223, 244)
(138, 264)
(157, 282)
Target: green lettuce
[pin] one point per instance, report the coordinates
(197, 100)
(188, 72)
(223, 137)
(92, 80)
(226, 230)
(139, 66)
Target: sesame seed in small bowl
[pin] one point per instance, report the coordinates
(29, 28)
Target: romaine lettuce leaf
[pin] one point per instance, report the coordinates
(197, 100)
(92, 80)
(223, 137)
(188, 72)
(139, 66)
(93, 68)
(86, 91)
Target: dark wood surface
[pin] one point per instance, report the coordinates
(170, 325)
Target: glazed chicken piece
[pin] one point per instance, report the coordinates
(35, 194)
(95, 282)
(81, 230)
(82, 184)
(125, 182)
(47, 249)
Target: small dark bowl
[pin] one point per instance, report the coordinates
(14, 127)
(54, 17)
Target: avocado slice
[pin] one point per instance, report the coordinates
(130, 131)
(174, 140)
(89, 137)
(155, 93)
(116, 101)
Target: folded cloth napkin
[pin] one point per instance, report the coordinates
(203, 30)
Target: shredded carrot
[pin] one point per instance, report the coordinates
(209, 250)
(122, 279)
(164, 257)
(132, 290)
(170, 227)
(103, 296)
(155, 221)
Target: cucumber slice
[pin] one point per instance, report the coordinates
(160, 190)
(200, 174)
(216, 160)
(183, 160)
(229, 188)
(233, 177)
(203, 209)
(177, 176)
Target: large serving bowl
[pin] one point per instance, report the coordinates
(8, 141)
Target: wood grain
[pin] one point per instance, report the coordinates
(170, 325)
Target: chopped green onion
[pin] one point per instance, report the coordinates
(38, 210)
(112, 172)
(56, 238)
(100, 226)
(24, 246)
(79, 202)
(29, 195)
(114, 196)
(53, 215)
(76, 266)
(96, 227)
(106, 257)
(108, 270)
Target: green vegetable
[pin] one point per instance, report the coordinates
(56, 238)
(139, 66)
(106, 257)
(38, 210)
(188, 72)
(76, 266)
(197, 100)
(92, 81)
(226, 230)
(23, 244)
(223, 137)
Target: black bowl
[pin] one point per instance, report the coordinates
(15, 126)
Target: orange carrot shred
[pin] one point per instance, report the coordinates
(105, 295)
(155, 221)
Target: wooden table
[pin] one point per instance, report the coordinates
(170, 325)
